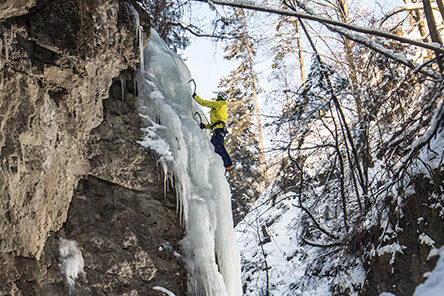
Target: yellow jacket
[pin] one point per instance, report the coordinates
(218, 112)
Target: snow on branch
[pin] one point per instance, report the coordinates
(376, 32)
(196, 32)
(436, 127)
(400, 58)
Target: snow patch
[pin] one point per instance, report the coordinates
(71, 261)
(426, 240)
(271, 249)
(434, 285)
(433, 252)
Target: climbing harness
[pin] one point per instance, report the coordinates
(218, 122)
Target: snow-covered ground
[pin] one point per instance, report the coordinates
(272, 257)
(188, 160)
(269, 240)
(434, 285)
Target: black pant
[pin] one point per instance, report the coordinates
(218, 142)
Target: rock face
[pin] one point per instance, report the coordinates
(10, 8)
(70, 164)
(420, 231)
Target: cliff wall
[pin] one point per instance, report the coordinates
(70, 163)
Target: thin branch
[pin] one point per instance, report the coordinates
(191, 29)
(435, 125)
(407, 7)
(315, 244)
(431, 61)
(314, 220)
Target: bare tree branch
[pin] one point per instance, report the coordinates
(193, 30)
(322, 229)
(380, 33)
(407, 7)
(315, 244)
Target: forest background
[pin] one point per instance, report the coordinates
(337, 105)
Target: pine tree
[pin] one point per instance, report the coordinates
(246, 179)
(165, 16)
(245, 140)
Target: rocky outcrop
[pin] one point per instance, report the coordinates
(123, 221)
(10, 8)
(52, 92)
(419, 233)
(70, 163)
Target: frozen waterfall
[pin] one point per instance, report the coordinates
(188, 158)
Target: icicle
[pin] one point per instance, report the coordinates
(139, 34)
(142, 59)
(123, 88)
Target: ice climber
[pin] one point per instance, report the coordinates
(218, 118)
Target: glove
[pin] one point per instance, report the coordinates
(202, 126)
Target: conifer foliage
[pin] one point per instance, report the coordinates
(165, 17)
(247, 179)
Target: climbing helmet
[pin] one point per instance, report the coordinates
(222, 96)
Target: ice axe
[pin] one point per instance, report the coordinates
(194, 91)
(200, 117)
(194, 83)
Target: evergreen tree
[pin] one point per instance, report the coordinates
(244, 142)
(165, 18)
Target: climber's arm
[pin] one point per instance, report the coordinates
(211, 104)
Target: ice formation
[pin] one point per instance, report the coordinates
(71, 261)
(162, 289)
(187, 157)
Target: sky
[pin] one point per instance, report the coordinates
(204, 56)
(205, 61)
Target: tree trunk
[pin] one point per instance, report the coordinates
(258, 120)
(419, 20)
(441, 8)
(434, 34)
(256, 109)
(343, 14)
(301, 60)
